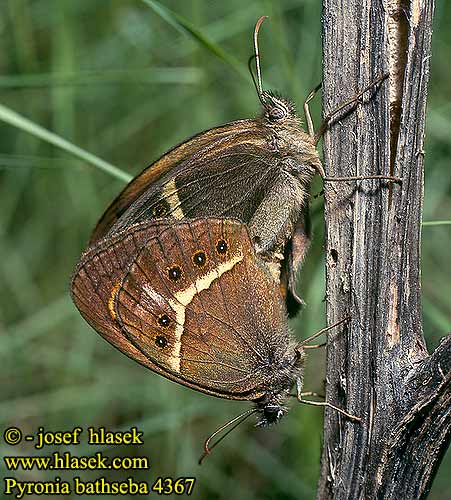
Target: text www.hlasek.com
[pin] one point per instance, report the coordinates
(66, 461)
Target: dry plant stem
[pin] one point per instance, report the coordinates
(379, 368)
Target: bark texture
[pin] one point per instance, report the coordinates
(379, 367)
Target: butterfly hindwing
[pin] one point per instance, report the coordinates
(184, 303)
(97, 278)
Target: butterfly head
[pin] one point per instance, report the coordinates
(276, 108)
(271, 413)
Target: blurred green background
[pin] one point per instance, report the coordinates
(123, 81)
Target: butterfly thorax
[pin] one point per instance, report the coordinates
(285, 373)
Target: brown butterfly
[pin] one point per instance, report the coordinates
(194, 302)
(255, 170)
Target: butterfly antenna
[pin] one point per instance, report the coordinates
(249, 66)
(238, 420)
(258, 83)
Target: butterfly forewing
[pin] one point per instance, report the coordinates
(229, 180)
(155, 185)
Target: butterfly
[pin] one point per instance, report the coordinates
(255, 170)
(195, 303)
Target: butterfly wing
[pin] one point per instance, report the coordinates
(183, 305)
(97, 278)
(234, 171)
(157, 181)
(295, 252)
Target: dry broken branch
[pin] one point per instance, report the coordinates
(380, 370)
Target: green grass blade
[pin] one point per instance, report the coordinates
(177, 75)
(436, 223)
(16, 120)
(185, 27)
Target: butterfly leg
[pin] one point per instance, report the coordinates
(295, 252)
(353, 100)
(315, 346)
(308, 116)
(321, 403)
(306, 341)
(312, 394)
(316, 136)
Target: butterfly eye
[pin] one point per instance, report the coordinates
(164, 321)
(221, 247)
(160, 210)
(174, 273)
(276, 113)
(199, 259)
(161, 341)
